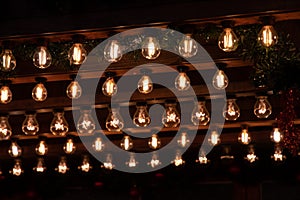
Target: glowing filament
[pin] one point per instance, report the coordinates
(98, 144)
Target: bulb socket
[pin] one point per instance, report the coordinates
(4, 114)
(182, 68)
(221, 66)
(40, 79)
(141, 103)
(109, 74)
(170, 101)
(30, 112)
(85, 107)
(201, 99)
(230, 96)
(73, 77)
(267, 20)
(78, 38)
(6, 82)
(227, 23)
(56, 110)
(244, 126)
(146, 71)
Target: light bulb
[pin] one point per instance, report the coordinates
(114, 121)
(141, 117)
(5, 128)
(5, 94)
(214, 138)
(30, 125)
(182, 81)
(251, 157)
(112, 51)
(14, 150)
(188, 46)
(276, 135)
(39, 92)
(267, 36)
(244, 137)
(154, 142)
(150, 48)
(74, 90)
(178, 159)
(145, 84)
(126, 143)
(109, 87)
(86, 123)
(262, 107)
(85, 166)
(77, 54)
(69, 146)
(278, 156)
(154, 162)
(132, 161)
(59, 125)
(171, 117)
(202, 159)
(183, 140)
(228, 41)
(40, 166)
(41, 148)
(62, 167)
(17, 169)
(7, 61)
(220, 80)
(200, 114)
(42, 58)
(108, 162)
(98, 144)
(231, 110)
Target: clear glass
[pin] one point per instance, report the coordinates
(114, 121)
(7, 61)
(145, 84)
(187, 47)
(267, 36)
(276, 136)
(39, 92)
(42, 58)
(178, 159)
(132, 161)
(109, 87)
(41, 148)
(59, 125)
(171, 117)
(244, 137)
(183, 140)
(154, 142)
(40, 166)
(5, 128)
(62, 167)
(228, 41)
(5, 94)
(98, 144)
(214, 138)
(17, 169)
(278, 155)
(112, 51)
(182, 82)
(126, 143)
(251, 157)
(74, 90)
(200, 114)
(203, 159)
(220, 80)
(85, 166)
(30, 125)
(262, 107)
(69, 146)
(141, 117)
(231, 110)
(150, 48)
(154, 162)
(77, 54)
(14, 150)
(86, 123)
(108, 162)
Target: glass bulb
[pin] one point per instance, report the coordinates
(278, 156)
(132, 161)
(228, 41)
(41, 148)
(42, 58)
(231, 110)
(59, 125)
(267, 36)
(220, 80)
(214, 138)
(5, 94)
(244, 137)
(178, 159)
(154, 142)
(74, 90)
(85, 166)
(114, 121)
(182, 82)
(17, 169)
(30, 125)
(154, 162)
(7, 61)
(39, 92)
(108, 162)
(5, 128)
(145, 84)
(150, 48)
(200, 114)
(14, 150)
(69, 147)
(171, 117)
(251, 157)
(109, 87)
(262, 107)
(77, 54)
(184, 140)
(141, 117)
(62, 167)
(126, 143)
(187, 47)
(113, 51)
(40, 166)
(98, 145)
(86, 123)
(276, 135)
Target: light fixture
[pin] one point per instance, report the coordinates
(14, 150)
(154, 162)
(171, 117)
(141, 117)
(7, 61)
(262, 107)
(187, 47)
(132, 161)
(85, 166)
(5, 128)
(178, 159)
(108, 162)
(202, 159)
(276, 136)
(17, 169)
(214, 138)
(42, 147)
(40, 166)
(150, 48)
(86, 124)
(42, 58)
(200, 114)
(62, 167)
(114, 121)
(220, 80)
(244, 136)
(39, 92)
(154, 142)
(184, 139)
(109, 87)
(5, 92)
(267, 36)
(112, 51)
(98, 144)
(228, 41)
(77, 54)
(145, 84)
(231, 110)
(74, 90)
(251, 157)
(30, 125)
(226, 153)
(126, 143)
(59, 125)
(182, 81)
(278, 155)
(69, 146)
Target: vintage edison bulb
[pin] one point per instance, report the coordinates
(183, 139)
(41, 148)
(244, 137)
(214, 138)
(262, 107)
(112, 51)
(109, 87)
(69, 146)
(182, 82)
(42, 58)
(267, 36)
(220, 80)
(276, 135)
(154, 162)
(5, 94)
(126, 143)
(77, 54)
(30, 125)
(108, 164)
(74, 90)
(145, 84)
(154, 142)
(200, 114)
(7, 61)
(17, 169)
(231, 110)
(85, 166)
(59, 125)
(132, 161)
(86, 123)
(39, 92)
(228, 41)
(171, 117)
(202, 159)
(114, 121)
(40, 166)
(62, 167)
(141, 117)
(251, 157)
(5, 128)
(187, 47)
(278, 155)
(14, 150)
(98, 144)
(150, 48)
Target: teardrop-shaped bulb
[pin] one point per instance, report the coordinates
(98, 144)
(114, 121)
(74, 90)
(42, 58)
(112, 51)
(126, 143)
(85, 166)
(188, 47)
(220, 80)
(276, 135)
(5, 128)
(39, 92)
(150, 48)
(41, 148)
(244, 137)
(5, 94)
(14, 150)
(86, 123)
(77, 54)
(145, 84)
(59, 125)
(228, 41)
(40, 166)
(184, 140)
(171, 117)
(30, 125)
(132, 161)
(200, 114)
(109, 87)
(17, 169)
(262, 107)
(62, 167)
(154, 142)
(69, 146)
(141, 117)
(108, 164)
(231, 110)
(7, 61)
(214, 138)
(182, 82)
(267, 36)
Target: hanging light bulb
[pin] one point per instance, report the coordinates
(202, 159)
(109, 87)
(40, 166)
(278, 156)
(59, 125)
(132, 161)
(262, 107)
(5, 128)
(30, 125)
(74, 90)
(214, 138)
(154, 162)
(267, 36)
(145, 84)
(41, 148)
(126, 143)
(171, 117)
(141, 117)
(62, 167)
(85, 166)
(98, 145)
(200, 114)
(42, 58)
(39, 92)
(69, 146)
(17, 169)
(226, 153)
(187, 46)
(178, 159)
(231, 110)
(154, 142)
(244, 136)
(251, 157)
(112, 51)
(150, 48)
(114, 121)
(5, 93)
(7, 61)
(220, 80)
(14, 150)
(276, 135)
(77, 54)
(228, 41)
(108, 162)
(184, 139)
(182, 81)
(86, 124)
